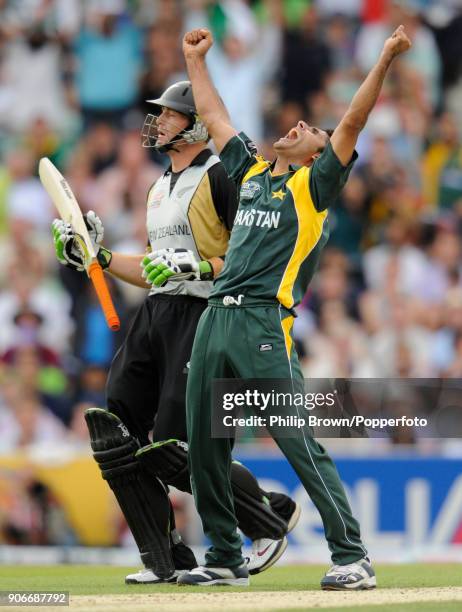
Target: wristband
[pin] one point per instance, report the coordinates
(104, 257)
(205, 270)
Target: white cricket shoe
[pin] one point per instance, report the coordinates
(354, 576)
(265, 553)
(147, 576)
(294, 517)
(209, 576)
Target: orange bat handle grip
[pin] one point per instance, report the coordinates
(95, 272)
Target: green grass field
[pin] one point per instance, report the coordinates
(97, 580)
(294, 579)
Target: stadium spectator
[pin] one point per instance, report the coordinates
(397, 247)
(400, 345)
(100, 146)
(339, 347)
(306, 59)
(108, 54)
(245, 61)
(163, 61)
(30, 290)
(78, 437)
(25, 198)
(25, 422)
(120, 192)
(443, 259)
(94, 342)
(442, 166)
(32, 84)
(91, 385)
(32, 514)
(349, 220)
(423, 59)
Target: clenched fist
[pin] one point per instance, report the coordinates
(397, 43)
(197, 42)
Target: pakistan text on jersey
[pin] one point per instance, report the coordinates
(169, 230)
(259, 218)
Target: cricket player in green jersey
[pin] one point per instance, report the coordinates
(246, 331)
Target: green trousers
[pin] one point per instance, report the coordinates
(228, 345)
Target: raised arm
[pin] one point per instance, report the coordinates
(346, 134)
(209, 105)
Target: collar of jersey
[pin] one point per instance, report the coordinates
(292, 168)
(199, 160)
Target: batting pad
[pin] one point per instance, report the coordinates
(138, 494)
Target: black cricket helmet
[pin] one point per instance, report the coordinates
(178, 97)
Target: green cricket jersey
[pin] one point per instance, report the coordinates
(281, 224)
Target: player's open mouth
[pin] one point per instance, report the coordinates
(291, 135)
(161, 135)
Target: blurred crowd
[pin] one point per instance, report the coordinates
(74, 77)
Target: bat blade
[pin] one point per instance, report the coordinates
(69, 210)
(64, 200)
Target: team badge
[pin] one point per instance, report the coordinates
(156, 199)
(249, 189)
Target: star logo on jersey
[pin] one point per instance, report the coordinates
(278, 194)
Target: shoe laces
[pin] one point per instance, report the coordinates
(343, 570)
(253, 554)
(198, 570)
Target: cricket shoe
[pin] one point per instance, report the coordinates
(147, 576)
(265, 553)
(209, 576)
(356, 576)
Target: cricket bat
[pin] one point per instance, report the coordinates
(61, 194)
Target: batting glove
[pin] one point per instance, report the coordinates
(67, 251)
(95, 229)
(96, 232)
(174, 264)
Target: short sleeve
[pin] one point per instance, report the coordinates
(238, 155)
(328, 177)
(224, 194)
